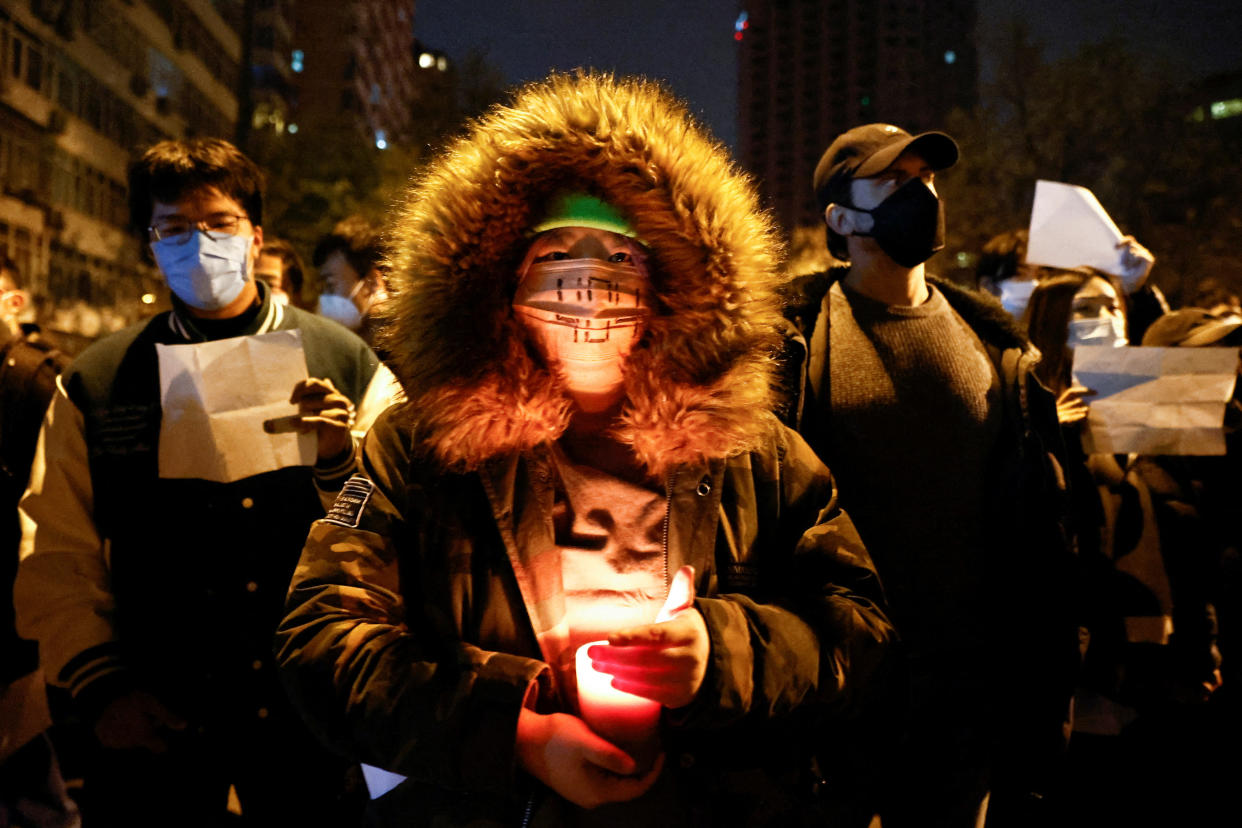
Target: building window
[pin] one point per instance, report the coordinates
(15, 57)
(34, 68)
(1226, 109)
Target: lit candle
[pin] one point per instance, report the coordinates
(628, 721)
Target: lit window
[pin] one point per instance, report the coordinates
(381, 139)
(375, 93)
(426, 60)
(950, 56)
(296, 61)
(1226, 109)
(442, 64)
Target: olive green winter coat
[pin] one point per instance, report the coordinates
(409, 640)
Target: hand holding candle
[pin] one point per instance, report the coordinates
(665, 661)
(630, 722)
(567, 756)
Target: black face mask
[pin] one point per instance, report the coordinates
(909, 224)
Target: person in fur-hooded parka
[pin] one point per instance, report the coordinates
(431, 626)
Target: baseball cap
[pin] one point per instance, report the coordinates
(577, 209)
(871, 149)
(1190, 327)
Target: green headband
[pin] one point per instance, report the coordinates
(583, 210)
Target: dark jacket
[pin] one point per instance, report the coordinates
(1151, 576)
(1196, 500)
(173, 586)
(409, 641)
(1033, 659)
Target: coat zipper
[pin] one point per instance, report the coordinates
(530, 809)
(668, 512)
(668, 515)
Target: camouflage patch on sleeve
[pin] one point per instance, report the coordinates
(347, 510)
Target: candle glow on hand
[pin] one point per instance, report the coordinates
(614, 714)
(626, 719)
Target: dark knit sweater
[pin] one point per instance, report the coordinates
(916, 412)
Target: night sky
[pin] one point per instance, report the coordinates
(689, 43)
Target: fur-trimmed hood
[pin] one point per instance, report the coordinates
(699, 385)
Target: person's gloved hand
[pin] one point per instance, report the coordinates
(136, 720)
(563, 753)
(328, 412)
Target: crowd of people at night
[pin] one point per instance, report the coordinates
(835, 542)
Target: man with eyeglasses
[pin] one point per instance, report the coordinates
(154, 600)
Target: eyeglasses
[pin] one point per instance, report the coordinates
(218, 227)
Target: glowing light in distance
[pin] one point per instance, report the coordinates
(741, 25)
(1226, 109)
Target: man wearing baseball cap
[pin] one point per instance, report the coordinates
(921, 396)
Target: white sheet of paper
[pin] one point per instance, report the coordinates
(379, 781)
(1156, 400)
(1069, 229)
(215, 397)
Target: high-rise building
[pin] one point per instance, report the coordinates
(355, 68)
(83, 87)
(268, 90)
(811, 69)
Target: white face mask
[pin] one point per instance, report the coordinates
(1015, 295)
(585, 315)
(1106, 330)
(340, 309)
(12, 303)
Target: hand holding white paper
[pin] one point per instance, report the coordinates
(216, 397)
(1069, 228)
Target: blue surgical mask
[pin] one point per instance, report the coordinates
(205, 273)
(1102, 330)
(1015, 295)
